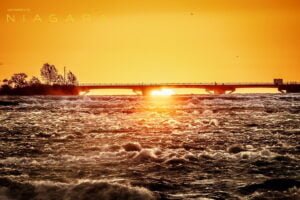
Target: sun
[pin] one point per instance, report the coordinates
(162, 92)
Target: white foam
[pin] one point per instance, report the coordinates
(175, 161)
(87, 189)
(148, 154)
(214, 122)
(132, 146)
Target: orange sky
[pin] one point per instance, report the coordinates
(153, 40)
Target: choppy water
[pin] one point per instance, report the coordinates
(131, 147)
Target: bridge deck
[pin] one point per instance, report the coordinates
(175, 85)
(216, 87)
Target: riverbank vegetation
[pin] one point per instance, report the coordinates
(51, 83)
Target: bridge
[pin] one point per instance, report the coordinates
(215, 88)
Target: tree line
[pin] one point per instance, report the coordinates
(49, 75)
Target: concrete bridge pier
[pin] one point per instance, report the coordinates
(83, 92)
(215, 91)
(137, 92)
(220, 90)
(281, 91)
(146, 91)
(289, 88)
(231, 91)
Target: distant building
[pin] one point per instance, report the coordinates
(278, 81)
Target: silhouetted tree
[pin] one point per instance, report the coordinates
(6, 84)
(34, 81)
(18, 80)
(49, 73)
(71, 79)
(59, 80)
(18, 85)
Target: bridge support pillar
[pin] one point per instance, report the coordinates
(86, 92)
(83, 92)
(289, 88)
(216, 91)
(220, 90)
(138, 92)
(282, 91)
(143, 91)
(231, 91)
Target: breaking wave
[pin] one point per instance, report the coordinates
(182, 147)
(13, 190)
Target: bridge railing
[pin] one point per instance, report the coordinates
(183, 84)
(166, 84)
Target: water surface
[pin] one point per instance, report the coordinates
(131, 147)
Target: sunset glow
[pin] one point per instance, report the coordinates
(153, 41)
(149, 99)
(162, 92)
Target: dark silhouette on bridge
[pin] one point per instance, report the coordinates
(216, 88)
